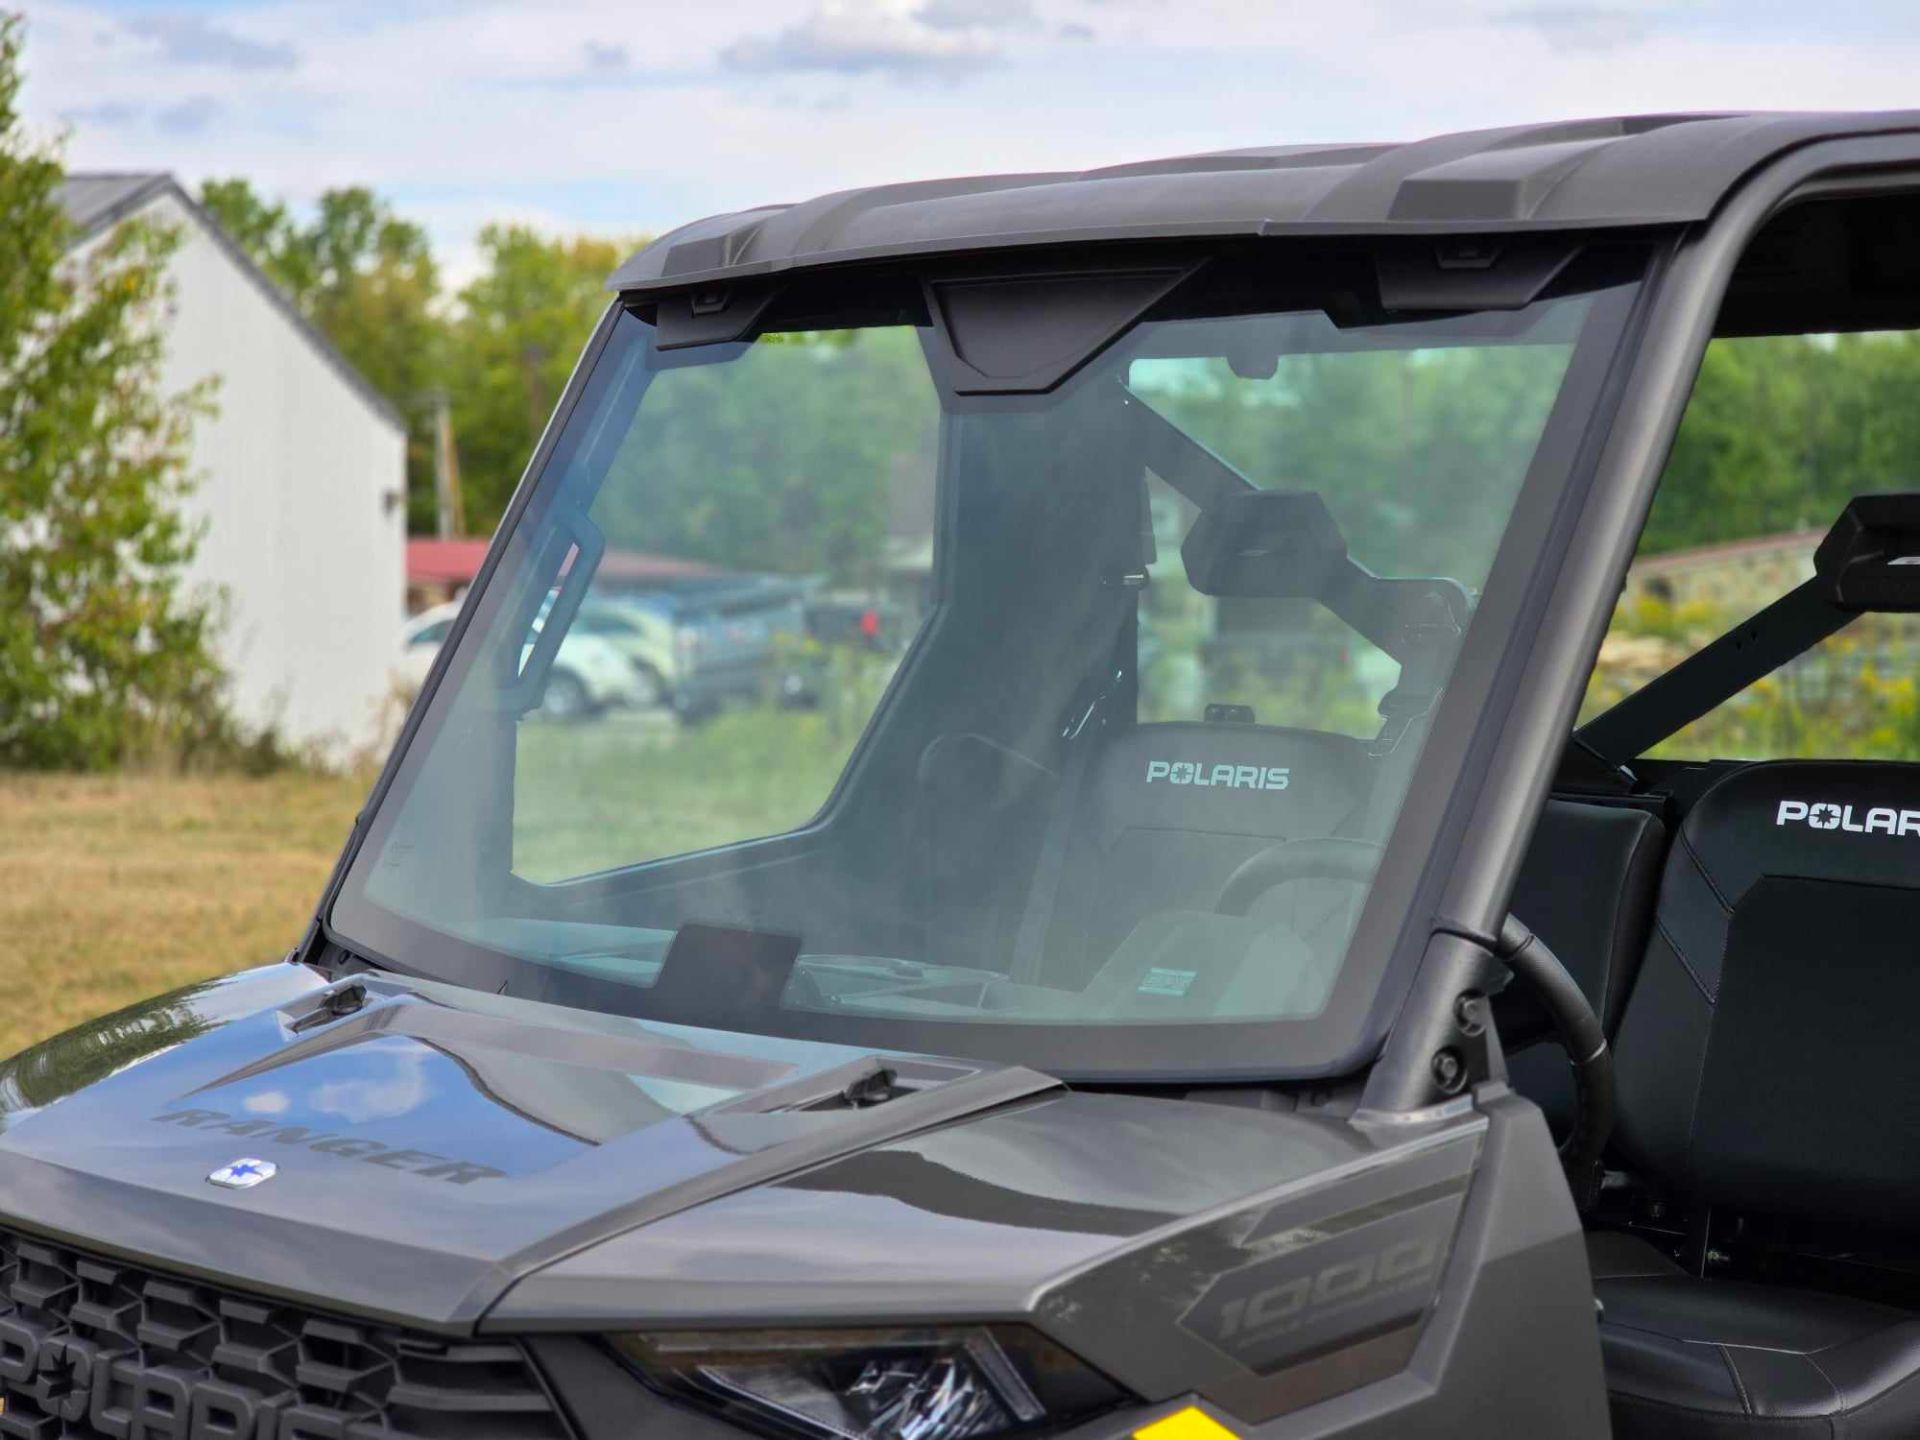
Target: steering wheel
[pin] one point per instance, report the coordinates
(1575, 1025)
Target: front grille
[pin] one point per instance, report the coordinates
(91, 1347)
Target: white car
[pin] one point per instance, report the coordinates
(589, 674)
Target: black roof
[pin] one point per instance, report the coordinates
(1581, 174)
(95, 201)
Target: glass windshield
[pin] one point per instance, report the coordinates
(810, 698)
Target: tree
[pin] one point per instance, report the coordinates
(787, 459)
(102, 652)
(522, 325)
(368, 280)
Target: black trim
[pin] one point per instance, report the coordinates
(1752, 650)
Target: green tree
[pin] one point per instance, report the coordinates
(784, 460)
(102, 653)
(368, 280)
(522, 325)
(1782, 431)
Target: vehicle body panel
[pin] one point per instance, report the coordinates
(473, 1140)
(1645, 170)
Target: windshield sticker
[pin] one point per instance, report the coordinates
(1227, 777)
(1825, 815)
(1166, 982)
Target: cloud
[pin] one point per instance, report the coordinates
(189, 116)
(966, 14)
(1582, 27)
(471, 136)
(604, 58)
(195, 40)
(396, 1082)
(110, 114)
(855, 38)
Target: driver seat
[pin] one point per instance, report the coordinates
(1766, 1067)
(1153, 819)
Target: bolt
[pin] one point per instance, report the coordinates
(1470, 1014)
(1449, 1071)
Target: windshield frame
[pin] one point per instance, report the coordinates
(1397, 919)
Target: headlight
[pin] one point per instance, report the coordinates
(924, 1384)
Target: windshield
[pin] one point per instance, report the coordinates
(812, 697)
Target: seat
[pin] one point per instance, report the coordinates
(1765, 1064)
(1587, 889)
(1154, 818)
(1717, 1358)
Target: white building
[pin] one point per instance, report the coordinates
(301, 479)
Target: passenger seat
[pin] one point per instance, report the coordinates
(1766, 1064)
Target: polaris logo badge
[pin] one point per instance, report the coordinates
(1227, 777)
(244, 1174)
(1825, 815)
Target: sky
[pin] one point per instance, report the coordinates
(629, 118)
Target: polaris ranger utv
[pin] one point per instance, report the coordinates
(1113, 1013)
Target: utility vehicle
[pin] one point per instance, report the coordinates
(1234, 969)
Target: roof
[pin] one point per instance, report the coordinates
(95, 201)
(1582, 174)
(433, 561)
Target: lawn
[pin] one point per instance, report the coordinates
(114, 888)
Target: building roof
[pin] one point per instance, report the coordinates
(433, 561)
(1576, 175)
(93, 202)
(1721, 552)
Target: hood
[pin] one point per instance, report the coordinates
(442, 1155)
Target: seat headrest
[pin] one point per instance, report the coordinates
(1838, 820)
(1257, 780)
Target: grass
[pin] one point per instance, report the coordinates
(113, 888)
(116, 888)
(594, 797)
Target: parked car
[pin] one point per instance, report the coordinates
(589, 674)
(645, 634)
(702, 645)
(856, 620)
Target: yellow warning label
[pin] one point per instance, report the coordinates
(1191, 1423)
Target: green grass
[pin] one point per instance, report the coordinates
(116, 888)
(592, 797)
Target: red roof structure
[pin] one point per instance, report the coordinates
(453, 563)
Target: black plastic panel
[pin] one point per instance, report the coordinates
(91, 1347)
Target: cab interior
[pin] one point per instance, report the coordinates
(1742, 923)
